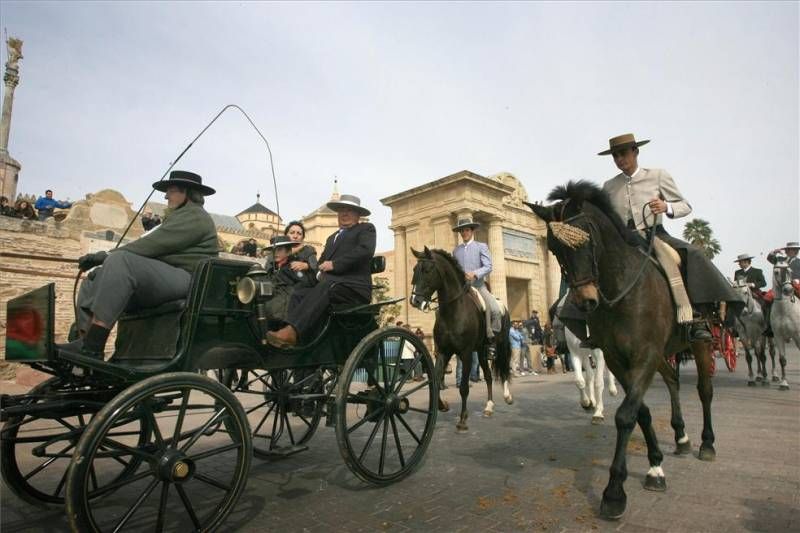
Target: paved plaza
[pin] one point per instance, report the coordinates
(539, 465)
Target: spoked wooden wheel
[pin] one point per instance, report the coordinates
(728, 344)
(384, 420)
(284, 407)
(36, 448)
(197, 477)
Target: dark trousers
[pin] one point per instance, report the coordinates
(309, 306)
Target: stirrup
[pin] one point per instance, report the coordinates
(490, 351)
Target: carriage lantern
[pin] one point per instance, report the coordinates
(255, 285)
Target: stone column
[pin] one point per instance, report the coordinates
(498, 276)
(9, 168)
(401, 284)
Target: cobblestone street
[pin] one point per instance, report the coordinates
(539, 465)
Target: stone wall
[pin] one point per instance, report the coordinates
(33, 254)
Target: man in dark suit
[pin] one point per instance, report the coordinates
(344, 274)
(753, 276)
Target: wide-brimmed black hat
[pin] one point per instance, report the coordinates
(465, 223)
(621, 142)
(183, 178)
(280, 241)
(349, 201)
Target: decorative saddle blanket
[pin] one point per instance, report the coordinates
(482, 303)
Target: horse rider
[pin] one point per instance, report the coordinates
(344, 274)
(632, 190)
(154, 269)
(792, 258)
(474, 258)
(793, 261)
(754, 278)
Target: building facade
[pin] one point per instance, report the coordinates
(524, 275)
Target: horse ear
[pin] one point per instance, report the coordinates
(418, 255)
(542, 211)
(427, 253)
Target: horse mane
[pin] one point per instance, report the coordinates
(447, 256)
(585, 191)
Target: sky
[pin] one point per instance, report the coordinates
(388, 96)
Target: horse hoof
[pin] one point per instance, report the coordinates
(461, 429)
(612, 509)
(509, 400)
(759, 378)
(597, 420)
(707, 453)
(783, 386)
(587, 407)
(487, 413)
(751, 383)
(655, 483)
(683, 448)
(775, 379)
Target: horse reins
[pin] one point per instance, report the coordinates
(595, 268)
(458, 295)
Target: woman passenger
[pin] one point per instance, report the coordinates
(303, 257)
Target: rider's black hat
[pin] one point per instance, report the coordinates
(183, 178)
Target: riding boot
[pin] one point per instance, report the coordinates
(698, 331)
(767, 313)
(92, 345)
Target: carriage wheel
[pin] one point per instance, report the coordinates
(198, 477)
(728, 344)
(35, 450)
(284, 407)
(384, 420)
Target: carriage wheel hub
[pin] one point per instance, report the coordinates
(395, 404)
(175, 467)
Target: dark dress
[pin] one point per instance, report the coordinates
(286, 281)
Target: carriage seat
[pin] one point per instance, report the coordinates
(149, 335)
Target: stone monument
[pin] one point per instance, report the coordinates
(9, 167)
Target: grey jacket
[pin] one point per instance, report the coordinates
(629, 195)
(474, 258)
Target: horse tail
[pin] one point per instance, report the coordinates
(501, 364)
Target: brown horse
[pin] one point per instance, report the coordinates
(460, 326)
(631, 316)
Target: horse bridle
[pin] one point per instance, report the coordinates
(595, 276)
(424, 298)
(784, 280)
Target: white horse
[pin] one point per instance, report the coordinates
(591, 396)
(750, 325)
(785, 315)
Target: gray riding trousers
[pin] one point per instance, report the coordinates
(127, 281)
(493, 313)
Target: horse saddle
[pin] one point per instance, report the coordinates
(478, 298)
(482, 303)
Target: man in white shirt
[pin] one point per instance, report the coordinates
(641, 197)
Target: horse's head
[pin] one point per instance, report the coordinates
(782, 277)
(575, 237)
(425, 281)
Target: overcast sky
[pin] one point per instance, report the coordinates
(388, 96)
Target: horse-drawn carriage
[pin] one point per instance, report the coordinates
(191, 392)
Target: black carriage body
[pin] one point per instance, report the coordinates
(212, 329)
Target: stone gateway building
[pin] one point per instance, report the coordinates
(525, 276)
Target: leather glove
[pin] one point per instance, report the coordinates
(91, 260)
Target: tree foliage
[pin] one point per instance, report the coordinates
(698, 232)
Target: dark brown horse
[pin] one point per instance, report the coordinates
(631, 317)
(460, 326)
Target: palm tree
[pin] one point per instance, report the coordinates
(698, 232)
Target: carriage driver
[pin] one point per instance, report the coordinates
(150, 271)
(474, 258)
(344, 274)
(636, 187)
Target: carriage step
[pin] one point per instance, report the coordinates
(286, 451)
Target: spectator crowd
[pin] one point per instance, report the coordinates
(42, 209)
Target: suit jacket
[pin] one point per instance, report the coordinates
(629, 195)
(351, 253)
(474, 258)
(752, 275)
